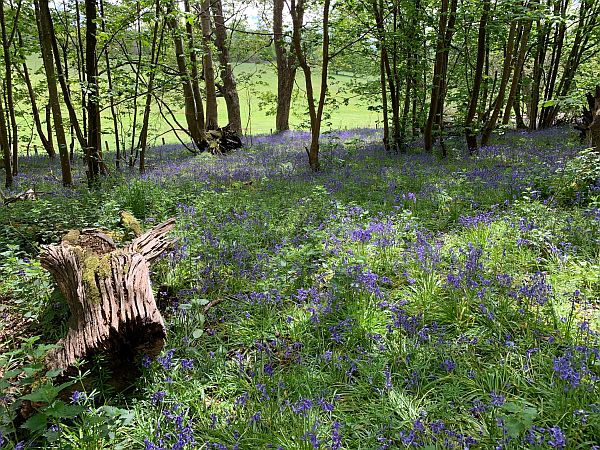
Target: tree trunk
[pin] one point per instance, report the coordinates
(517, 72)
(154, 56)
(46, 20)
(384, 103)
(195, 81)
(286, 68)
(93, 107)
(491, 123)
(6, 44)
(315, 110)
(59, 131)
(471, 134)
(438, 90)
(46, 140)
(109, 295)
(392, 143)
(230, 93)
(589, 11)
(594, 129)
(7, 158)
(113, 111)
(538, 66)
(212, 119)
(193, 106)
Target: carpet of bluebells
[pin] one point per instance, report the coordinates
(388, 301)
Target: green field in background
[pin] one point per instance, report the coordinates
(254, 81)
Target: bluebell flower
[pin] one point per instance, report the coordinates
(497, 399)
(557, 438)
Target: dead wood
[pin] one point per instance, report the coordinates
(109, 294)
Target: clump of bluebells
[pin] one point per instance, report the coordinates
(398, 302)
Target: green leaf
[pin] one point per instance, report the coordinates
(197, 333)
(45, 393)
(61, 410)
(37, 422)
(549, 103)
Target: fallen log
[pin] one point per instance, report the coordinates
(29, 194)
(109, 295)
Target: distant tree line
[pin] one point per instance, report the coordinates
(426, 65)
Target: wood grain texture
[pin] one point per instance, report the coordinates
(109, 294)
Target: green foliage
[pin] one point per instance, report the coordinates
(579, 179)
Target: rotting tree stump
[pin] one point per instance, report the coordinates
(108, 293)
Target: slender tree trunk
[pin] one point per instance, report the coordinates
(80, 67)
(113, 111)
(46, 18)
(230, 92)
(195, 81)
(46, 141)
(517, 71)
(6, 45)
(471, 134)
(133, 150)
(384, 103)
(286, 68)
(595, 125)
(538, 66)
(59, 131)
(93, 106)
(393, 143)
(315, 109)
(491, 123)
(589, 11)
(194, 120)
(7, 159)
(154, 56)
(445, 33)
(212, 119)
(517, 107)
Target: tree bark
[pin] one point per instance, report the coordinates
(7, 158)
(6, 44)
(589, 10)
(471, 134)
(491, 123)
(543, 30)
(109, 79)
(109, 295)
(46, 19)
(154, 56)
(212, 119)
(438, 91)
(59, 131)
(286, 68)
(35, 112)
(230, 93)
(193, 52)
(594, 129)
(93, 107)
(315, 108)
(517, 71)
(194, 115)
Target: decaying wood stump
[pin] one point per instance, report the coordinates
(108, 293)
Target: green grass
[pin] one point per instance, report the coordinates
(255, 81)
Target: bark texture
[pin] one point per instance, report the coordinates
(108, 293)
(594, 129)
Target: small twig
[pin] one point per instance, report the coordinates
(212, 303)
